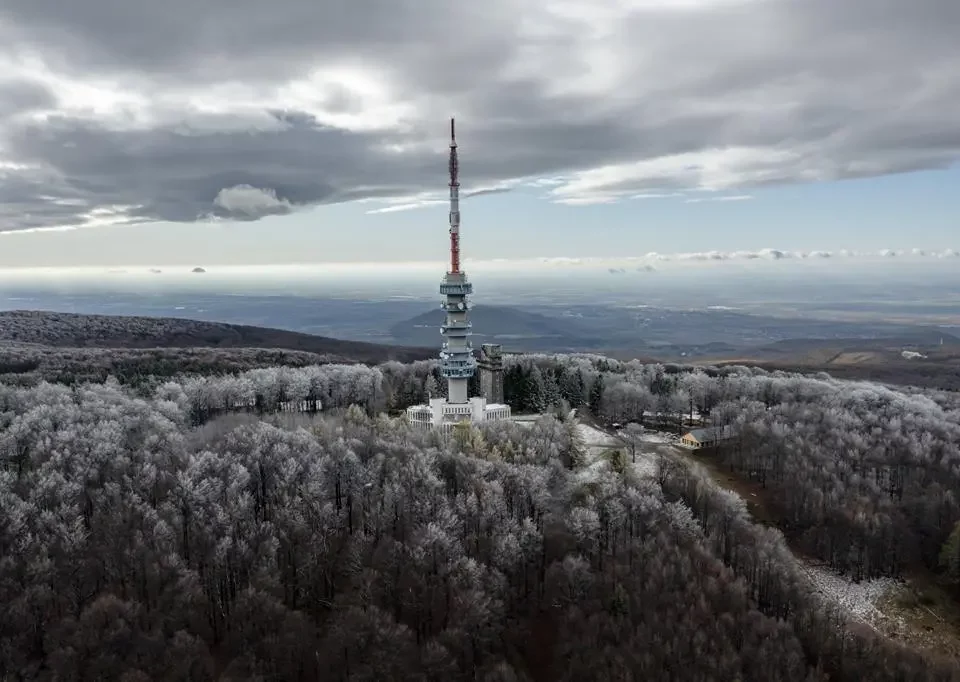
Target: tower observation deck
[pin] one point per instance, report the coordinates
(457, 362)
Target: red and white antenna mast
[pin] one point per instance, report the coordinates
(454, 202)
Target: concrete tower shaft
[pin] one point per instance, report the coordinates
(457, 362)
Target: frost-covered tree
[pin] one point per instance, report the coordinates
(137, 543)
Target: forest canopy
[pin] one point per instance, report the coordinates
(180, 529)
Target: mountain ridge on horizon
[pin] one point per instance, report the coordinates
(79, 330)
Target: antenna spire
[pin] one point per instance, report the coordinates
(454, 201)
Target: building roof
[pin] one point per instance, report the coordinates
(711, 433)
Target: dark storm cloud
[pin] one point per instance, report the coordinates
(20, 96)
(178, 40)
(615, 98)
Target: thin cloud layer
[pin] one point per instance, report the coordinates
(772, 255)
(646, 265)
(179, 111)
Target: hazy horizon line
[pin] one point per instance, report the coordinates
(650, 260)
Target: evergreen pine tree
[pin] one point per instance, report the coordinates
(596, 395)
(576, 398)
(551, 390)
(537, 397)
(512, 379)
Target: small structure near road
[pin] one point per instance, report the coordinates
(710, 437)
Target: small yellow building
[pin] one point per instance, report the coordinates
(699, 439)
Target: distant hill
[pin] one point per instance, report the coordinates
(936, 365)
(514, 328)
(920, 338)
(72, 330)
(933, 344)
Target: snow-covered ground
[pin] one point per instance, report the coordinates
(594, 438)
(599, 444)
(658, 437)
(858, 600)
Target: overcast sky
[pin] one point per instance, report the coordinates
(241, 131)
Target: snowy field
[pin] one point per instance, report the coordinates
(599, 443)
(596, 440)
(658, 437)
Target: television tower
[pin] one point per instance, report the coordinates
(457, 362)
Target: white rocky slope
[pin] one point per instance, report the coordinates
(857, 600)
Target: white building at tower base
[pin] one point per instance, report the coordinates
(445, 415)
